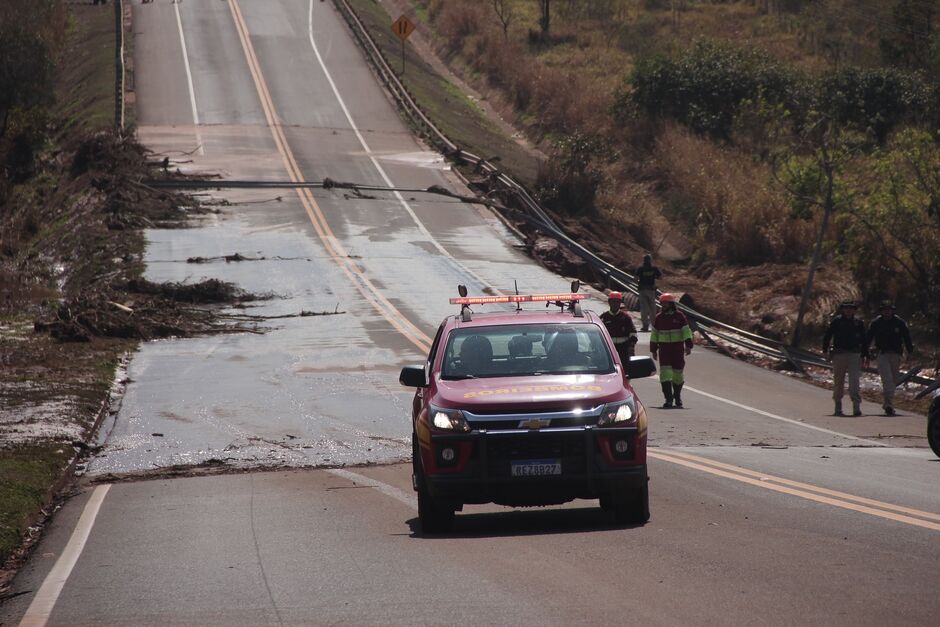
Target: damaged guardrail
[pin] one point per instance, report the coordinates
(533, 213)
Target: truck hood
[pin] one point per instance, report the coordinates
(536, 393)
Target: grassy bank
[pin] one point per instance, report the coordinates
(52, 392)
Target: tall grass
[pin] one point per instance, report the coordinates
(738, 214)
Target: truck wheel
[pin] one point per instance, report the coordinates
(435, 516)
(633, 507)
(933, 426)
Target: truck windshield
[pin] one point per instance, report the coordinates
(526, 350)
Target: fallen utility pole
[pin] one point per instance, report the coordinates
(327, 184)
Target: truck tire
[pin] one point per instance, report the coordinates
(633, 507)
(434, 515)
(933, 426)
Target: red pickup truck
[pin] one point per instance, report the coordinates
(527, 407)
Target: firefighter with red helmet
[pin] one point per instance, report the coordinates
(620, 327)
(672, 339)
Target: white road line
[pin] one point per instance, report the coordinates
(386, 489)
(404, 203)
(784, 419)
(40, 609)
(189, 79)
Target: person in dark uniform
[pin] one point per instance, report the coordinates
(646, 276)
(620, 326)
(891, 336)
(846, 337)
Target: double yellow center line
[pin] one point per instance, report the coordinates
(889, 511)
(331, 243)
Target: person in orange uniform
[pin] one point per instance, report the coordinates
(620, 326)
(671, 337)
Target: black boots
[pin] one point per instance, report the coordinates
(673, 394)
(667, 392)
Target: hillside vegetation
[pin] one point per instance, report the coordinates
(726, 135)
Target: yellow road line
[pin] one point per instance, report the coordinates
(331, 243)
(812, 493)
(807, 486)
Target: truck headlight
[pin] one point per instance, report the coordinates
(620, 413)
(449, 419)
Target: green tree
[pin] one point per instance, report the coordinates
(810, 165)
(895, 227)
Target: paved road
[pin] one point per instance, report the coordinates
(764, 509)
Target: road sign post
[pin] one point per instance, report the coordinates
(403, 27)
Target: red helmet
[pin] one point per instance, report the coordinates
(615, 296)
(666, 298)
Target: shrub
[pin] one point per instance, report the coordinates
(709, 86)
(569, 181)
(704, 87)
(876, 100)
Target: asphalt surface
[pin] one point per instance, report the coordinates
(765, 510)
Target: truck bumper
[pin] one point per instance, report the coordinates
(486, 475)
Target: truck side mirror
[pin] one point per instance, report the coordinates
(640, 367)
(413, 377)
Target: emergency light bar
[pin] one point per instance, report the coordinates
(516, 298)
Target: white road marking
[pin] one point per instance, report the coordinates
(386, 489)
(41, 608)
(189, 79)
(368, 151)
(784, 419)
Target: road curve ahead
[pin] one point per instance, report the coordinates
(764, 509)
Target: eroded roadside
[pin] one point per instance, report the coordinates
(73, 300)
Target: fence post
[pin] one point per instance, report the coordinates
(119, 66)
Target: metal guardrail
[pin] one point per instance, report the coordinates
(533, 213)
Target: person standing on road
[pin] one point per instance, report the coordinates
(672, 339)
(891, 337)
(846, 335)
(646, 276)
(620, 326)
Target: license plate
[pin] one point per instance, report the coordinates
(536, 468)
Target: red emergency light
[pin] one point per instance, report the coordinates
(516, 298)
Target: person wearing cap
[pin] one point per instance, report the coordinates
(671, 338)
(891, 336)
(844, 343)
(620, 326)
(646, 276)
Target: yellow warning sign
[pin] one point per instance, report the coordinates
(403, 27)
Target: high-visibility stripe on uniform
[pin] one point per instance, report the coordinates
(668, 374)
(671, 335)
